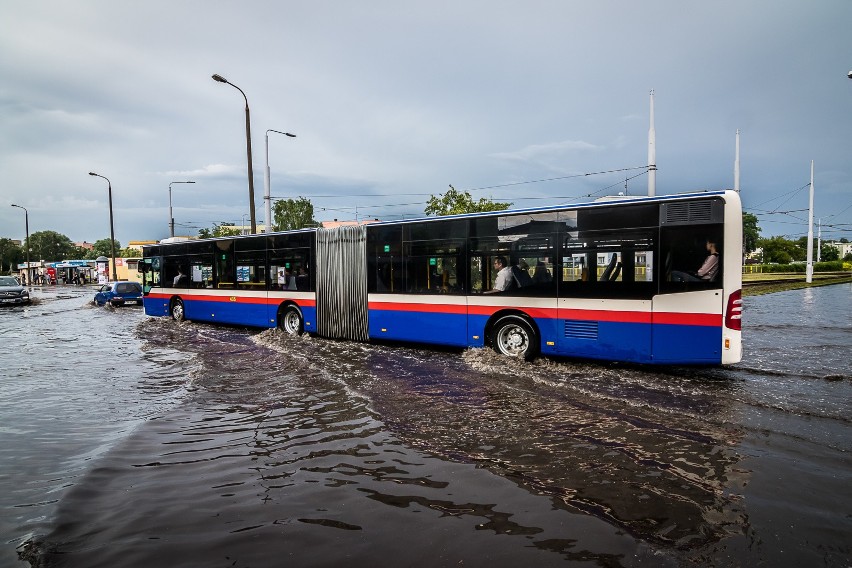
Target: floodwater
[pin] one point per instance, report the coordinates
(134, 441)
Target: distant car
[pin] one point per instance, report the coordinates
(119, 293)
(12, 293)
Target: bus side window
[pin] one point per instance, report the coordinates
(384, 260)
(684, 250)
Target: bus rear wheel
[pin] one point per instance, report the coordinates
(176, 310)
(290, 321)
(513, 336)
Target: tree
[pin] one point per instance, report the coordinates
(291, 214)
(49, 246)
(222, 229)
(454, 202)
(751, 232)
(829, 252)
(102, 248)
(10, 255)
(780, 250)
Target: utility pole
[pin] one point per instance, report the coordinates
(737, 164)
(809, 270)
(652, 153)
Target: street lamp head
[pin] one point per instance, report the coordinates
(219, 78)
(92, 174)
(290, 135)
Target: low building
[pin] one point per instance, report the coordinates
(137, 245)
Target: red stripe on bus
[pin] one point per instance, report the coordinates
(660, 318)
(235, 300)
(704, 320)
(669, 318)
(428, 308)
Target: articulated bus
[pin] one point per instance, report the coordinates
(612, 279)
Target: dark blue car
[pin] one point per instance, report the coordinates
(119, 293)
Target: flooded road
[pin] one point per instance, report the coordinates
(133, 441)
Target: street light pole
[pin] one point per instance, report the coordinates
(171, 217)
(267, 198)
(27, 227)
(221, 79)
(111, 226)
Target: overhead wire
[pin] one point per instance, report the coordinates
(513, 198)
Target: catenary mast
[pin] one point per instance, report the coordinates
(652, 154)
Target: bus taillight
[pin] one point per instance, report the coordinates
(734, 313)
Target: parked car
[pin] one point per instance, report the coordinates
(12, 293)
(119, 293)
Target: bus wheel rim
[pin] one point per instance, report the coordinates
(291, 322)
(513, 340)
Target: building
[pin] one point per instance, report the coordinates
(137, 245)
(844, 248)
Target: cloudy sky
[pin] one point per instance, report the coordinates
(392, 101)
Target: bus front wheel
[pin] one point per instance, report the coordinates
(513, 336)
(176, 310)
(291, 321)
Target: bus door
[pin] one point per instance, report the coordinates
(605, 296)
(433, 307)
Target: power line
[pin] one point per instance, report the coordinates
(574, 176)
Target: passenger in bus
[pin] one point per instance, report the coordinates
(521, 274)
(708, 270)
(302, 280)
(504, 279)
(180, 279)
(541, 275)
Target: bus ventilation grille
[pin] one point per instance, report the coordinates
(578, 329)
(689, 212)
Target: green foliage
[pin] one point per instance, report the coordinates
(222, 229)
(129, 253)
(829, 253)
(751, 232)
(455, 202)
(10, 255)
(291, 214)
(50, 246)
(834, 266)
(102, 247)
(780, 250)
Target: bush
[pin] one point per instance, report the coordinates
(833, 266)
